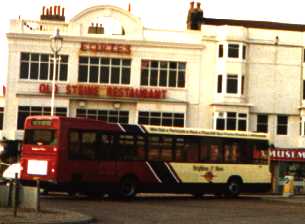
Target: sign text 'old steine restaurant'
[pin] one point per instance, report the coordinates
(104, 91)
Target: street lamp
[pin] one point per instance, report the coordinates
(56, 45)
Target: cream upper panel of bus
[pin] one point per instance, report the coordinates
(205, 132)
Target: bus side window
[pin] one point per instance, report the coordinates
(180, 152)
(259, 153)
(140, 148)
(88, 145)
(245, 152)
(153, 148)
(127, 147)
(203, 151)
(105, 151)
(231, 152)
(166, 148)
(192, 148)
(215, 153)
(74, 145)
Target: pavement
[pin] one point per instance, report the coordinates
(294, 199)
(45, 216)
(52, 216)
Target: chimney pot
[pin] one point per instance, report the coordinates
(51, 13)
(192, 5)
(58, 10)
(198, 5)
(63, 11)
(43, 10)
(55, 10)
(129, 7)
(47, 12)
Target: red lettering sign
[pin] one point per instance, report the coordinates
(108, 48)
(46, 88)
(115, 91)
(288, 155)
(110, 91)
(88, 90)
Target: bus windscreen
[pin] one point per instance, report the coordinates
(40, 137)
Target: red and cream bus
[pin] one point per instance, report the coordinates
(89, 156)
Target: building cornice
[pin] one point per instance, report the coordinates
(255, 24)
(79, 39)
(107, 99)
(231, 104)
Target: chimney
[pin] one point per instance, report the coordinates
(198, 5)
(192, 5)
(129, 7)
(195, 17)
(53, 13)
(55, 10)
(189, 15)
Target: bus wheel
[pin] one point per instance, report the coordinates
(128, 187)
(233, 187)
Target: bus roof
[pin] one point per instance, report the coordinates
(150, 129)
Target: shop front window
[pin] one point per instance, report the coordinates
(297, 170)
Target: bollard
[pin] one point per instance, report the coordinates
(15, 203)
(38, 195)
(288, 188)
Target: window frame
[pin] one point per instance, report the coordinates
(262, 125)
(109, 70)
(233, 50)
(24, 111)
(282, 127)
(167, 74)
(161, 118)
(31, 59)
(223, 120)
(112, 116)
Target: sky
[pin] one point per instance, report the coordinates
(159, 14)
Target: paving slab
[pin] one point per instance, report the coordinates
(45, 216)
(295, 199)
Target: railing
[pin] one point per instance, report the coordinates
(33, 26)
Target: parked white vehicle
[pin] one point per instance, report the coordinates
(9, 173)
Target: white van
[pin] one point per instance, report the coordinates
(9, 173)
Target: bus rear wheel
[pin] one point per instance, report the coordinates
(128, 187)
(233, 187)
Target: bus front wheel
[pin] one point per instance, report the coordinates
(128, 187)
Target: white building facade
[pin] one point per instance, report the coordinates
(230, 74)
